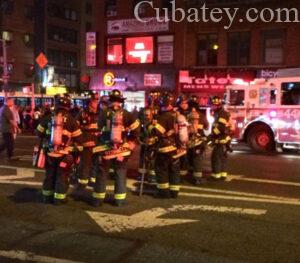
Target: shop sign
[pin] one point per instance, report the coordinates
(152, 80)
(165, 52)
(91, 49)
(267, 74)
(125, 26)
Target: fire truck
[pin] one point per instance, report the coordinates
(266, 113)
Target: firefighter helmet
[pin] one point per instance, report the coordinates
(181, 98)
(216, 101)
(167, 99)
(64, 101)
(153, 98)
(194, 102)
(104, 99)
(116, 96)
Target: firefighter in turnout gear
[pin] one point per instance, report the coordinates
(167, 164)
(118, 139)
(148, 118)
(61, 134)
(220, 139)
(197, 139)
(88, 120)
(182, 113)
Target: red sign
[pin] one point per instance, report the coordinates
(212, 82)
(41, 60)
(152, 80)
(139, 50)
(91, 47)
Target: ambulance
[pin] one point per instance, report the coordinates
(266, 113)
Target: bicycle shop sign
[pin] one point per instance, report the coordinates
(205, 84)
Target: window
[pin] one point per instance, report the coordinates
(139, 50)
(28, 40)
(273, 41)
(207, 49)
(7, 7)
(115, 51)
(88, 8)
(28, 12)
(62, 58)
(264, 96)
(55, 10)
(88, 27)
(165, 49)
(110, 8)
(7, 35)
(238, 48)
(237, 98)
(142, 8)
(290, 93)
(62, 34)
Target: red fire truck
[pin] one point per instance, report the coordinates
(266, 113)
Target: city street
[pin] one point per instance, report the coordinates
(253, 216)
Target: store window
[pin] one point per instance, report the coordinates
(238, 48)
(273, 41)
(114, 51)
(290, 93)
(139, 50)
(237, 98)
(207, 50)
(110, 8)
(165, 49)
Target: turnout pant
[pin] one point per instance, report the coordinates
(8, 144)
(219, 161)
(58, 170)
(195, 157)
(89, 166)
(146, 163)
(120, 179)
(167, 172)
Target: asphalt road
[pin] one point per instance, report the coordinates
(251, 217)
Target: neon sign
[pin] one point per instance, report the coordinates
(139, 50)
(109, 79)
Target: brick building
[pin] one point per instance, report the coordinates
(189, 57)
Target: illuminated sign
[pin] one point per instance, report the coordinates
(55, 90)
(139, 50)
(152, 80)
(109, 79)
(91, 48)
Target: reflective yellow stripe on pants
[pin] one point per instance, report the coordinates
(120, 196)
(99, 195)
(163, 186)
(174, 187)
(47, 192)
(59, 196)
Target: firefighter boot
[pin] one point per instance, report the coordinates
(96, 202)
(174, 194)
(163, 194)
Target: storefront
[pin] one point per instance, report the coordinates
(207, 83)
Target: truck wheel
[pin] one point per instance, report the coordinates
(260, 139)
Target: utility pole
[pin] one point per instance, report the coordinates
(5, 75)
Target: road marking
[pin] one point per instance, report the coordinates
(112, 223)
(265, 181)
(28, 256)
(22, 173)
(247, 199)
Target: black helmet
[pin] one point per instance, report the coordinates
(64, 101)
(116, 96)
(194, 101)
(181, 98)
(216, 101)
(104, 99)
(167, 99)
(153, 98)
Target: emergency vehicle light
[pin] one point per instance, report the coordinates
(273, 114)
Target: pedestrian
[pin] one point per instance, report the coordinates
(9, 127)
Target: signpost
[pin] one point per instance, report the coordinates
(42, 62)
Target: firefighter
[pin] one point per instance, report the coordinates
(182, 113)
(148, 118)
(118, 139)
(220, 139)
(60, 133)
(167, 162)
(88, 120)
(197, 139)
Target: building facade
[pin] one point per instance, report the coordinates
(193, 57)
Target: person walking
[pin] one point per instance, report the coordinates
(9, 127)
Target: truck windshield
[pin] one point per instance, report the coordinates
(290, 93)
(237, 98)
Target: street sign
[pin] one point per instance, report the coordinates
(41, 60)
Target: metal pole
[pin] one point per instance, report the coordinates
(5, 70)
